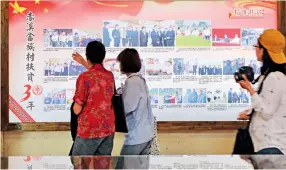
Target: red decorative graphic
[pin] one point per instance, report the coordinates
(27, 92)
(28, 159)
(37, 90)
(37, 158)
(19, 111)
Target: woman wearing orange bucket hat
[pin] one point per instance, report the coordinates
(267, 125)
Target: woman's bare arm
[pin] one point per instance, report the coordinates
(78, 58)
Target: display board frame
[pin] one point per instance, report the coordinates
(163, 127)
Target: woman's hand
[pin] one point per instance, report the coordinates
(243, 115)
(78, 58)
(245, 84)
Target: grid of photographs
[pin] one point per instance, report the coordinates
(153, 33)
(161, 34)
(59, 67)
(61, 96)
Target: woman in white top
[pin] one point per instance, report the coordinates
(268, 124)
(188, 31)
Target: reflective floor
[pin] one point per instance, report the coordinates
(146, 162)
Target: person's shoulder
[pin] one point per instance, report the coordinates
(134, 80)
(276, 79)
(109, 73)
(277, 76)
(83, 76)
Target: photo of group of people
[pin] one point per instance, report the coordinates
(231, 66)
(154, 96)
(68, 38)
(58, 38)
(112, 65)
(194, 96)
(237, 96)
(254, 64)
(160, 33)
(156, 66)
(226, 37)
(210, 67)
(82, 37)
(55, 97)
(193, 33)
(58, 67)
(70, 95)
(171, 95)
(198, 96)
(216, 96)
(153, 33)
(191, 66)
(123, 33)
(250, 35)
(185, 66)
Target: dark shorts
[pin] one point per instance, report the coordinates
(95, 146)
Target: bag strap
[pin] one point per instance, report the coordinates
(115, 91)
(258, 92)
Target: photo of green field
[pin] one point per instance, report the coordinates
(192, 40)
(193, 33)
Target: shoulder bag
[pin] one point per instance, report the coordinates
(243, 144)
(119, 112)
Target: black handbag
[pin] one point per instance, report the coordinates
(73, 126)
(119, 112)
(243, 144)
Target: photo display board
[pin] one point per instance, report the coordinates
(189, 52)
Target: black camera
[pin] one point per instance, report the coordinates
(247, 71)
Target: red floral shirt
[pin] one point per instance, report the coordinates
(94, 91)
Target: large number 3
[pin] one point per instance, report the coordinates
(27, 93)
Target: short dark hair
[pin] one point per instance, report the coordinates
(95, 52)
(129, 61)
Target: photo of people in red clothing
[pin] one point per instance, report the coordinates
(170, 95)
(162, 66)
(112, 65)
(70, 94)
(226, 37)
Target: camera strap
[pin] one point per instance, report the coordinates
(258, 92)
